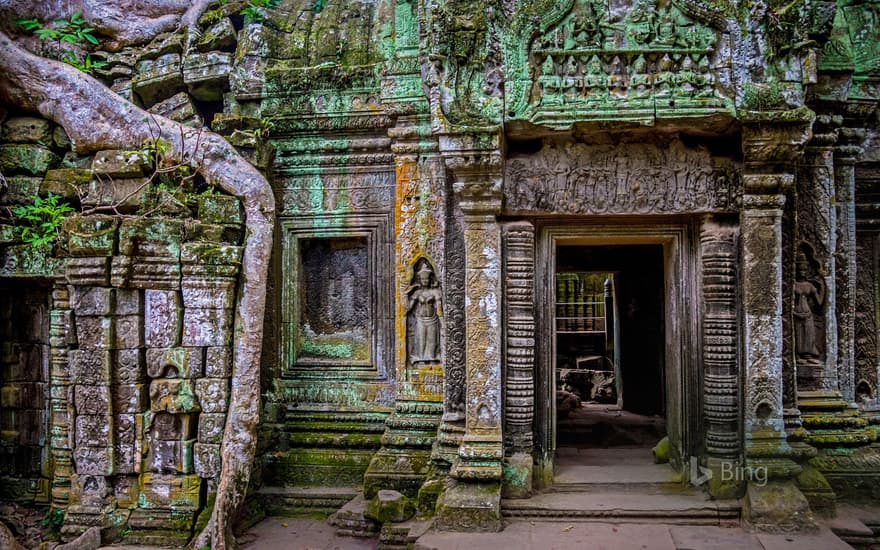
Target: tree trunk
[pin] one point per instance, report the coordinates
(95, 118)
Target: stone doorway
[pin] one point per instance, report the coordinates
(608, 358)
(646, 379)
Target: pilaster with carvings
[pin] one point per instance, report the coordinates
(419, 312)
(473, 502)
(771, 143)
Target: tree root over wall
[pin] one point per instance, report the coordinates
(95, 118)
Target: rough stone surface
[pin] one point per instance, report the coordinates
(389, 506)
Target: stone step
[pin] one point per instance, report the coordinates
(621, 478)
(629, 487)
(858, 526)
(612, 507)
(305, 501)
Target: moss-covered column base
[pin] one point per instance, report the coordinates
(404, 460)
(848, 460)
(831, 421)
(470, 507)
(727, 480)
(518, 471)
(449, 437)
(817, 491)
(776, 506)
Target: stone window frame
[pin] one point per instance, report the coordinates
(376, 230)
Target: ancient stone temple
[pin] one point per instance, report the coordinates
(518, 244)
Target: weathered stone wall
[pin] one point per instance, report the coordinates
(117, 339)
(415, 150)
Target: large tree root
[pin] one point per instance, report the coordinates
(95, 118)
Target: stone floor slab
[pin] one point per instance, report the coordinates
(698, 537)
(300, 534)
(554, 536)
(824, 540)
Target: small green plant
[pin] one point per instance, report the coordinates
(87, 65)
(266, 125)
(41, 221)
(152, 149)
(53, 519)
(256, 9)
(72, 30)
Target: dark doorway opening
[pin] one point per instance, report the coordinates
(609, 338)
(24, 377)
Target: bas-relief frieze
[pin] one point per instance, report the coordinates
(337, 193)
(619, 57)
(621, 179)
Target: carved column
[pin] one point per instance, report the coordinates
(62, 415)
(813, 296)
(403, 461)
(769, 149)
(846, 458)
(845, 155)
(519, 380)
(867, 351)
(720, 353)
(474, 501)
(811, 312)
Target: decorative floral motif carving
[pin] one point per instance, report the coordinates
(454, 310)
(866, 319)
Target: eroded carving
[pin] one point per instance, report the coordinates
(611, 60)
(866, 319)
(576, 178)
(809, 301)
(423, 299)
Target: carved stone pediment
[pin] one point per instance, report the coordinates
(626, 60)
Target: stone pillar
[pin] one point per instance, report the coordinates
(474, 501)
(811, 312)
(721, 399)
(769, 150)
(60, 337)
(813, 309)
(836, 428)
(519, 381)
(867, 326)
(403, 462)
(845, 155)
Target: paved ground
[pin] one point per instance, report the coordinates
(300, 534)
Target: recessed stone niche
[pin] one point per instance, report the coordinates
(335, 308)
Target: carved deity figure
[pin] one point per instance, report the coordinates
(639, 22)
(809, 297)
(423, 315)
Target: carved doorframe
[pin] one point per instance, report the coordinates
(683, 379)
